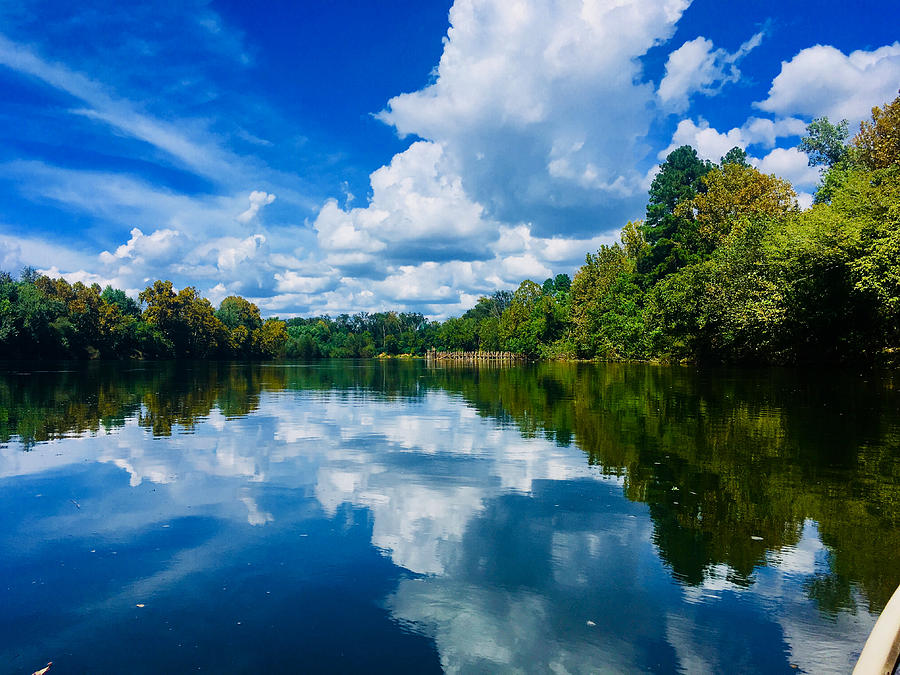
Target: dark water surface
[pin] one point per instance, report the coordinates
(396, 517)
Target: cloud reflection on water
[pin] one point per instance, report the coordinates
(518, 541)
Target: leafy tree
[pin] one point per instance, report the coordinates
(590, 286)
(489, 334)
(269, 338)
(558, 285)
(606, 301)
(825, 142)
(9, 329)
(28, 275)
(502, 300)
(43, 330)
(732, 194)
(730, 307)
(671, 236)
(236, 311)
(516, 333)
(126, 304)
(877, 144)
(736, 155)
(241, 318)
(185, 319)
(459, 334)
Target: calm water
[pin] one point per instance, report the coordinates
(395, 517)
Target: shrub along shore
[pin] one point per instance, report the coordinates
(724, 268)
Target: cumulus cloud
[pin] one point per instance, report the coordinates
(822, 80)
(421, 241)
(516, 141)
(791, 164)
(258, 199)
(707, 141)
(765, 132)
(293, 282)
(418, 210)
(141, 247)
(525, 99)
(697, 67)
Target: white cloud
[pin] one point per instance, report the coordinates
(696, 67)
(154, 247)
(516, 128)
(422, 241)
(765, 132)
(40, 253)
(707, 141)
(791, 164)
(822, 80)
(525, 99)
(258, 199)
(293, 282)
(418, 209)
(232, 253)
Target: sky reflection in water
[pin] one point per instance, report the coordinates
(400, 519)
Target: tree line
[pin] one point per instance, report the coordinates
(42, 317)
(724, 267)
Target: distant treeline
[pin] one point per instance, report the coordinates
(725, 267)
(50, 318)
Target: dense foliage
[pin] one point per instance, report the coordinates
(725, 267)
(50, 318)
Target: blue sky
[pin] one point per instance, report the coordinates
(345, 156)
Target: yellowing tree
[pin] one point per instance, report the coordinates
(184, 318)
(270, 338)
(735, 194)
(878, 142)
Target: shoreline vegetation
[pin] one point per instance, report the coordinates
(725, 268)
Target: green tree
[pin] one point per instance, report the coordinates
(117, 297)
(736, 155)
(606, 301)
(825, 143)
(236, 311)
(671, 236)
(241, 318)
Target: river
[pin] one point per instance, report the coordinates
(396, 516)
